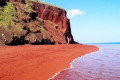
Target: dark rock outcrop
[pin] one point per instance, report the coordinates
(21, 1)
(2, 2)
(37, 23)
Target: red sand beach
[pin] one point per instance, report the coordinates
(38, 62)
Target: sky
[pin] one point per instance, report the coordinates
(92, 21)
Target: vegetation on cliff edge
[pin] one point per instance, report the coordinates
(7, 14)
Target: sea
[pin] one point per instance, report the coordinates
(100, 65)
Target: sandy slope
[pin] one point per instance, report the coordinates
(38, 62)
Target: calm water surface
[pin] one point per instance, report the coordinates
(101, 65)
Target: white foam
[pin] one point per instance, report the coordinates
(69, 67)
(57, 74)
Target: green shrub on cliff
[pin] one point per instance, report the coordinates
(28, 8)
(6, 15)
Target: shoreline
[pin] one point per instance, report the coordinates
(35, 62)
(52, 78)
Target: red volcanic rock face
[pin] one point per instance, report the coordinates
(51, 13)
(44, 24)
(57, 16)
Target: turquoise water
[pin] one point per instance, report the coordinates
(101, 65)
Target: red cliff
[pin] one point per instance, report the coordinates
(43, 24)
(57, 16)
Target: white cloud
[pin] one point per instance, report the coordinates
(74, 12)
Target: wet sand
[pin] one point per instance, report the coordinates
(38, 62)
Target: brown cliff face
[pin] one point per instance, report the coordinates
(37, 23)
